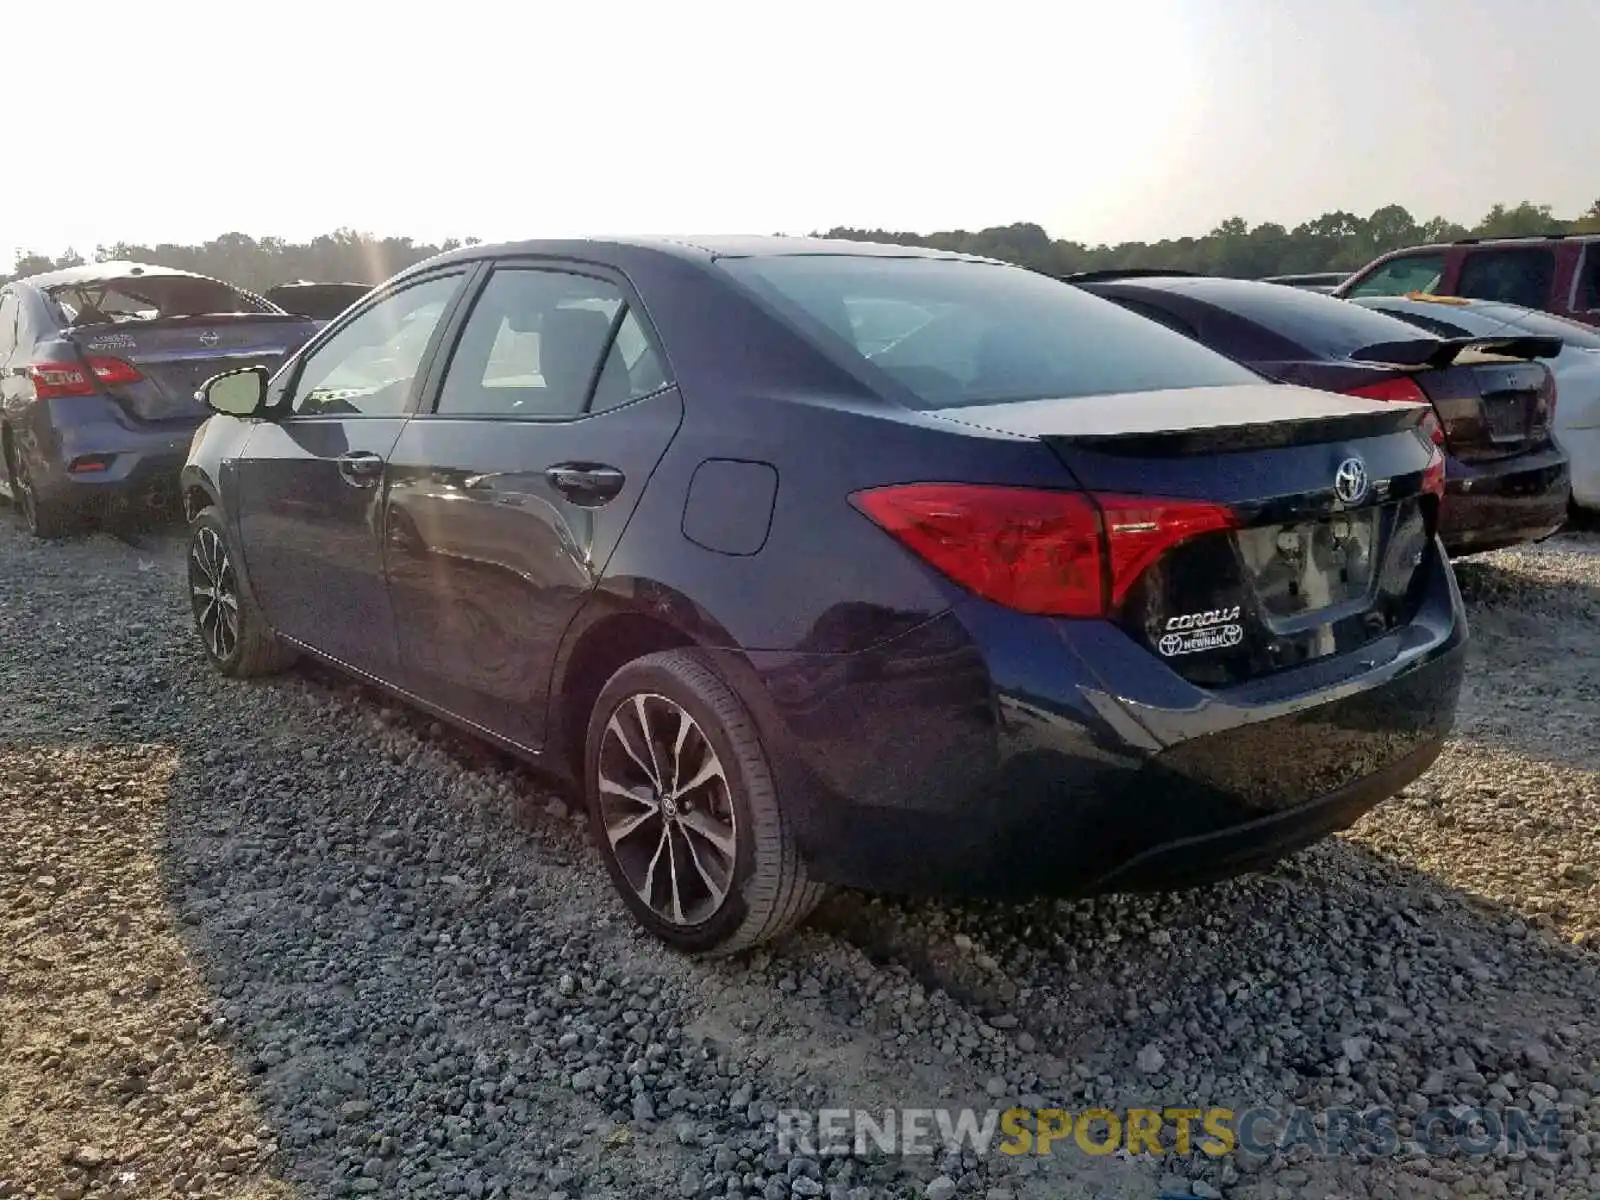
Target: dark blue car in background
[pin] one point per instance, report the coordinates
(829, 563)
(1507, 479)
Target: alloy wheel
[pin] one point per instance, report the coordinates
(214, 593)
(667, 810)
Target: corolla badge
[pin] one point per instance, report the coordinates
(210, 338)
(1214, 629)
(1350, 481)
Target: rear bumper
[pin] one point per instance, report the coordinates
(137, 462)
(1491, 505)
(1007, 767)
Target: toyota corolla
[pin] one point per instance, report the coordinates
(823, 563)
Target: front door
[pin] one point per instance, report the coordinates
(507, 499)
(311, 483)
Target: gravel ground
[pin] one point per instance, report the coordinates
(273, 940)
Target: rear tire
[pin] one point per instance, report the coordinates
(233, 632)
(698, 898)
(45, 518)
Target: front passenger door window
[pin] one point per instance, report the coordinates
(369, 367)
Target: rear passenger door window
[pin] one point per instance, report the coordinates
(545, 344)
(1402, 276)
(1515, 276)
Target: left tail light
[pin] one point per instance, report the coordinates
(52, 379)
(1403, 389)
(1050, 553)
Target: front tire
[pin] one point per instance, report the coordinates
(233, 632)
(683, 808)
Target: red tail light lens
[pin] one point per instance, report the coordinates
(52, 379)
(1397, 388)
(1140, 530)
(1403, 389)
(1064, 554)
(114, 372)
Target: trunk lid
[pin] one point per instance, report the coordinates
(175, 355)
(1491, 406)
(1333, 518)
(1492, 396)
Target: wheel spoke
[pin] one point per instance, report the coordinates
(685, 726)
(623, 827)
(614, 727)
(643, 714)
(715, 889)
(648, 891)
(707, 827)
(710, 768)
(672, 879)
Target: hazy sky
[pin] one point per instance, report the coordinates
(172, 120)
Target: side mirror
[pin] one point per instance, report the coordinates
(238, 393)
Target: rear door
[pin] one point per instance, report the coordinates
(506, 499)
(311, 483)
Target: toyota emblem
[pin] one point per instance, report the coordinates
(1350, 481)
(210, 338)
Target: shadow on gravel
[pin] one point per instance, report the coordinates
(1158, 944)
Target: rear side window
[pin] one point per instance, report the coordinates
(1515, 276)
(1152, 312)
(548, 344)
(954, 332)
(1401, 276)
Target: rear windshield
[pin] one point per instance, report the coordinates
(1324, 325)
(952, 332)
(147, 297)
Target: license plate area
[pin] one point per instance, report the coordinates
(1306, 566)
(1505, 416)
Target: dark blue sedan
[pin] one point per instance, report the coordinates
(829, 563)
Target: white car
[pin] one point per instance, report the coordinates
(1577, 368)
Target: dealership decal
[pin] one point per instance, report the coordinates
(1215, 629)
(114, 341)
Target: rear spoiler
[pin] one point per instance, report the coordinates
(1441, 352)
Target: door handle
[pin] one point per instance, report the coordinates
(586, 484)
(360, 468)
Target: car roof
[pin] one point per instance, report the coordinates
(105, 272)
(706, 248)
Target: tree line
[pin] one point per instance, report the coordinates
(1335, 241)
